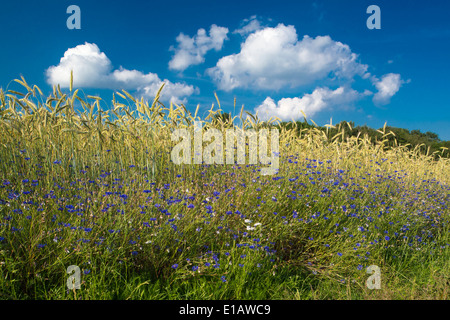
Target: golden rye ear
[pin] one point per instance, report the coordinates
(71, 80)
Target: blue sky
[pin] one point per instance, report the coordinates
(275, 57)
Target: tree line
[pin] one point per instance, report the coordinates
(426, 142)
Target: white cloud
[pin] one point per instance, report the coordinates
(273, 58)
(90, 66)
(192, 51)
(249, 26)
(92, 69)
(288, 109)
(387, 87)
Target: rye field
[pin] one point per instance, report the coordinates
(88, 191)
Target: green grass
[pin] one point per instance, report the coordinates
(97, 189)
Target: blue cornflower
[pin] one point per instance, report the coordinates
(174, 266)
(223, 279)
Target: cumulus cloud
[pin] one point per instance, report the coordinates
(288, 109)
(249, 26)
(387, 87)
(92, 69)
(90, 66)
(273, 58)
(192, 50)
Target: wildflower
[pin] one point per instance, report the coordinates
(174, 266)
(223, 279)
